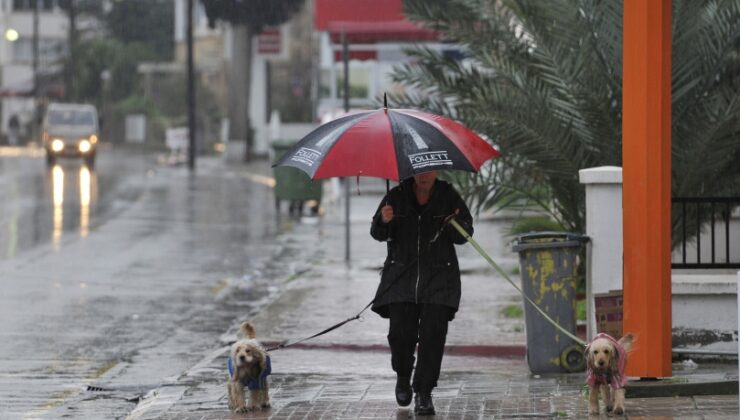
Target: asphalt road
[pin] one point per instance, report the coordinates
(124, 275)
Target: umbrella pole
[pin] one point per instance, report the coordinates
(387, 186)
(345, 59)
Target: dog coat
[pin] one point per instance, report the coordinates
(617, 380)
(253, 384)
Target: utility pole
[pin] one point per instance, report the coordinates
(35, 47)
(191, 90)
(71, 71)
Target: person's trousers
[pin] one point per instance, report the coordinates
(425, 324)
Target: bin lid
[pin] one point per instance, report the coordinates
(534, 240)
(281, 143)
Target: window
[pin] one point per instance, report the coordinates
(50, 50)
(72, 117)
(28, 5)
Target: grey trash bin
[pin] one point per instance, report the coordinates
(548, 263)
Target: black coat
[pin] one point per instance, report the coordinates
(433, 277)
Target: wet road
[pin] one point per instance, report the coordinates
(122, 275)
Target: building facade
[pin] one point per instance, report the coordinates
(17, 79)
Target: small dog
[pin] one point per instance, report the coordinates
(606, 359)
(248, 366)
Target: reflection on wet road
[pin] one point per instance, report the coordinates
(57, 203)
(78, 186)
(107, 275)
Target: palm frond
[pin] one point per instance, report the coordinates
(542, 80)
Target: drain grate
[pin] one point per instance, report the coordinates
(91, 388)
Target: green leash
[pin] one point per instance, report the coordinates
(488, 258)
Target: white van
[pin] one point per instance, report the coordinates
(70, 130)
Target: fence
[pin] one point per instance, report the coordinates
(723, 235)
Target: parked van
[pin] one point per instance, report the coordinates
(70, 130)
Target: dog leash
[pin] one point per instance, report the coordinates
(449, 220)
(359, 314)
(493, 264)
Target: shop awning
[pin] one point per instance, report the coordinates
(368, 21)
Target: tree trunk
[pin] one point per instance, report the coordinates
(70, 74)
(241, 79)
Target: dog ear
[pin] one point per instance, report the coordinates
(263, 362)
(614, 359)
(235, 369)
(589, 357)
(626, 341)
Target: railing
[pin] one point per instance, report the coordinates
(691, 212)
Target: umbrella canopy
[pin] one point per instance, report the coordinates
(388, 143)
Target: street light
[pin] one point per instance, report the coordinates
(11, 35)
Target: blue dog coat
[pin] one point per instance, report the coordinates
(253, 384)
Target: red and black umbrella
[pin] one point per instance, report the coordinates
(388, 143)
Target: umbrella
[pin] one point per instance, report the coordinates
(388, 143)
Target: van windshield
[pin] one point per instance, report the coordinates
(70, 117)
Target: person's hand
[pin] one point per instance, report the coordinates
(450, 217)
(386, 213)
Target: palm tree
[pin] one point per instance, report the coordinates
(542, 79)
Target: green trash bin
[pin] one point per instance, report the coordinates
(294, 185)
(548, 264)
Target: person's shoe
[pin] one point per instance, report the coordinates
(403, 391)
(423, 404)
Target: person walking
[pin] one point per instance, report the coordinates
(419, 289)
(14, 130)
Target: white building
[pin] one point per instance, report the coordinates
(16, 55)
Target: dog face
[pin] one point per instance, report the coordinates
(248, 358)
(602, 355)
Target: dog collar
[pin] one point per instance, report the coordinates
(253, 384)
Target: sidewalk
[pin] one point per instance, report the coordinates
(346, 373)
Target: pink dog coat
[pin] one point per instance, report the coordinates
(617, 380)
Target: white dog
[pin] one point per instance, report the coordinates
(606, 359)
(248, 366)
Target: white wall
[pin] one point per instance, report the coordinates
(604, 227)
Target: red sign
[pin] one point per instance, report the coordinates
(368, 21)
(269, 41)
(375, 11)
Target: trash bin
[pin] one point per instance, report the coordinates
(293, 184)
(548, 263)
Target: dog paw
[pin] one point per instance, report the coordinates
(266, 406)
(609, 408)
(619, 410)
(243, 409)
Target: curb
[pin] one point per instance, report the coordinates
(500, 351)
(659, 388)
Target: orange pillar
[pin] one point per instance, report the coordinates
(646, 147)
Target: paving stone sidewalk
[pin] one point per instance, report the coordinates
(346, 374)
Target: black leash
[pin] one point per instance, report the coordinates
(359, 314)
(332, 328)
